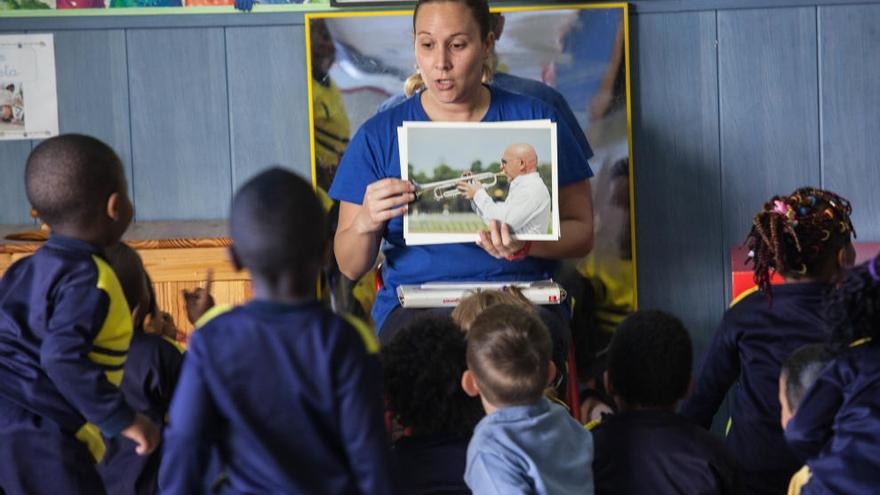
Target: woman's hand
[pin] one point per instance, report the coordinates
(497, 241)
(468, 188)
(383, 200)
(359, 230)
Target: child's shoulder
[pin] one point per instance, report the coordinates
(312, 319)
(861, 357)
(53, 271)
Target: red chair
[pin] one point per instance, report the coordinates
(572, 393)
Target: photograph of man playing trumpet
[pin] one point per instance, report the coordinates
(466, 177)
(526, 209)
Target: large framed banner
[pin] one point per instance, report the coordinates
(28, 97)
(576, 56)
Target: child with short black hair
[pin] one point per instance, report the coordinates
(288, 393)
(151, 372)
(836, 428)
(423, 365)
(806, 237)
(649, 371)
(799, 372)
(525, 444)
(65, 327)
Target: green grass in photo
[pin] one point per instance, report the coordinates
(452, 223)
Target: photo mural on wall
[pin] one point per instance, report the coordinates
(571, 56)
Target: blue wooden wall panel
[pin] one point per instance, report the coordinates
(849, 57)
(14, 206)
(676, 168)
(179, 123)
(268, 100)
(769, 116)
(92, 85)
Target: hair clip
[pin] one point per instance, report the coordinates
(785, 210)
(751, 253)
(843, 227)
(826, 234)
(804, 211)
(829, 213)
(803, 270)
(812, 200)
(780, 207)
(872, 269)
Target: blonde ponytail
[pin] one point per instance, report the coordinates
(413, 83)
(488, 71)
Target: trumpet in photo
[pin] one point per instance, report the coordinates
(445, 189)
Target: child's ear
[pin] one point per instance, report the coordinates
(551, 373)
(469, 384)
(136, 313)
(113, 210)
(234, 259)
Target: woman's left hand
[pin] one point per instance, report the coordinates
(497, 241)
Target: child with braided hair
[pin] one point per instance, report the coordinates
(806, 238)
(836, 428)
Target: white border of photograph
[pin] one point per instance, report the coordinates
(413, 239)
(29, 59)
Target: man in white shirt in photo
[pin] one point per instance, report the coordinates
(526, 210)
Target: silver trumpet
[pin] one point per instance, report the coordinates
(445, 189)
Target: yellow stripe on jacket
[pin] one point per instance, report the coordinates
(110, 345)
(367, 335)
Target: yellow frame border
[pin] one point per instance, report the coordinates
(586, 6)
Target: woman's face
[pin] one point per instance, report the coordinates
(450, 52)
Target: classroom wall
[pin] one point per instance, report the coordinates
(734, 100)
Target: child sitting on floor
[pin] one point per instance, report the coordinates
(836, 428)
(799, 372)
(288, 393)
(471, 306)
(151, 372)
(525, 444)
(646, 447)
(423, 365)
(806, 238)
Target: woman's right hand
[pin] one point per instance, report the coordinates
(384, 200)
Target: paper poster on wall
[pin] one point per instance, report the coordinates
(28, 97)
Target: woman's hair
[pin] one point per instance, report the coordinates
(480, 11)
(423, 365)
(470, 307)
(854, 307)
(798, 233)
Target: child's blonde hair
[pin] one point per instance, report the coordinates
(470, 307)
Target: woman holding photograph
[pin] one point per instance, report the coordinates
(452, 46)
